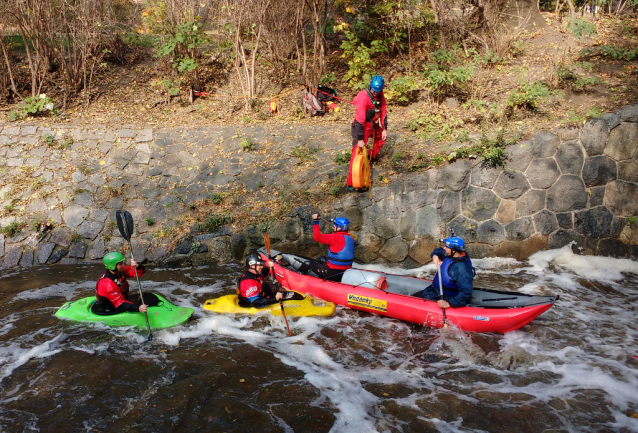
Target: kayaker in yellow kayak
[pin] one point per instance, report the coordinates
(456, 272)
(252, 290)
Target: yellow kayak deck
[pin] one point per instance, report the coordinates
(308, 306)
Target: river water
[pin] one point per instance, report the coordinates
(573, 369)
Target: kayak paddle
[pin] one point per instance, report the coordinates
(125, 226)
(281, 304)
(441, 291)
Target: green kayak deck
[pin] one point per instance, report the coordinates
(164, 315)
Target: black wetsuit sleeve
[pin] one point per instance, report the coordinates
(128, 306)
(263, 302)
(438, 252)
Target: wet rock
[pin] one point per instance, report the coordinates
(596, 196)
(479, 204)
(479, 251)
(594, 136)
(613, 248)
(520, 229)
(622, 141)
(61, 236)
(547, 143)
(394, 250)
(593, 223)
(531, 202)
(537, 242)
(27, 258)
(617, 198)
(44, 252)
(568, 193)
(464, 228)
(520, 155)
(457, 175)
(12, 256)
(511, 249)
(506, 211)
(570, 158)
(491, 232)
(484, 175)
(628, 170)
(220, 249)
(561, 238)
(617, 226)
(565, 220)
(629, 234)
(58, 255)
(97, 251)
(1, 245)
(511, 185)
(238, 246)
(542, 173)
(546, 222)
(74, 215)
(599, 170)
(78, 249)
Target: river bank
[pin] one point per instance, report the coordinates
(208, 194)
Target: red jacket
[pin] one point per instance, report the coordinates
(365, 112)
(112, 288)
(335, 242)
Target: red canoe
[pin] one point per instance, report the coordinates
(388, 295)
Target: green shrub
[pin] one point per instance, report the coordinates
(13, 228)
(402, 87)
(613, 51)
(34, 106)
(217, 197)
(359, 58)
(247, 145)
(215, 222)
(527, 95)
(581, 27)
(150, 221)
(182, 46)
(343, 158)
(492, 150)
(445, 82)
(305, 153)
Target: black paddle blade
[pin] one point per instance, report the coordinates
(124, 224)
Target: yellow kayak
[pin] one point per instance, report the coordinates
(308, 306)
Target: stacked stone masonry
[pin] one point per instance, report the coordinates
(572, 185)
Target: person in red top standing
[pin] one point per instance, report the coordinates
(340, 250)
(370, 119)
(112, 288)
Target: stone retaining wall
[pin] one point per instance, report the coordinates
(576, 184)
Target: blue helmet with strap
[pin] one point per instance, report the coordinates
(455, 243)
(342, 223)
(376, 83)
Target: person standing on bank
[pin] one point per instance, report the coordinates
(370, 119)
(340, 250)
(457, 274)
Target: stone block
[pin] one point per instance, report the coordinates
(421, 248)
(78, 249)
(506, 211)
(417, 182)
(491, 232)
(407, 224)
(627, 114)
(546, 143)
(98, 215)
(537, 242)
(628, 170)
(44, 252)
(629, 234)
(11, 130)
(27, 258)
(611, 119)
(220, 249)
(546, 222)
(594, 223)
(140, 248)
(594, 135)
(568, 193)
(570, 158)
(422, 198)
(54, 215)
(395, 250)
(386, 228)
(15, 162)
(61, 236)
(520, 229)
(531, 202)
(74, 215)
(380, 192)
(520, 155)
(511, 249)
(484, 175)
(542, 173)
(617, 226)
(511, 185)
(144, 135)
(618, 198)
(90, 229)
(456, 176)
(613, 248)
(84, 199)
(599, 170)
(12, 256)
(428, 222)
(622, 141)
(464, 228)
(128, 133)
(560, 238)
(479, 204)
(567, 133)
(450, 205)
(596, 196)
(1, 244)
(479, 251)
(37, 205)
(565, 220)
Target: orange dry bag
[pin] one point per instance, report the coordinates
(361, 169)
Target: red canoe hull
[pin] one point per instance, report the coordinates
(409, 308)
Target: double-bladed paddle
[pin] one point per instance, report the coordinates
(125, 225)
(281, 304)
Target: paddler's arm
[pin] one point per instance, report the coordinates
(263, 302)
(459, 273)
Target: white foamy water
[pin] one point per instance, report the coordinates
(572, 369)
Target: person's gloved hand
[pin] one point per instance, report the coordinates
(316, 216)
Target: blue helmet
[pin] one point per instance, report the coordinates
(342, 223)
(455, 243)
(376, 83)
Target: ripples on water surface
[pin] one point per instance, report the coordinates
(574, 369)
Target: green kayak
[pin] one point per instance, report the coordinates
(164, 315)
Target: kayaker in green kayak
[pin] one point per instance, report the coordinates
(112, 288)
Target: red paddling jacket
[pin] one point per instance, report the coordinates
(112, 289)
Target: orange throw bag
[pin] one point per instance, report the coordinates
(361, 169)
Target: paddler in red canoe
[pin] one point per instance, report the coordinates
(457, 274)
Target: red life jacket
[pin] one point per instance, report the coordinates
(111, 290)
(250, 286)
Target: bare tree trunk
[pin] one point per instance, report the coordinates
(6, 59)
